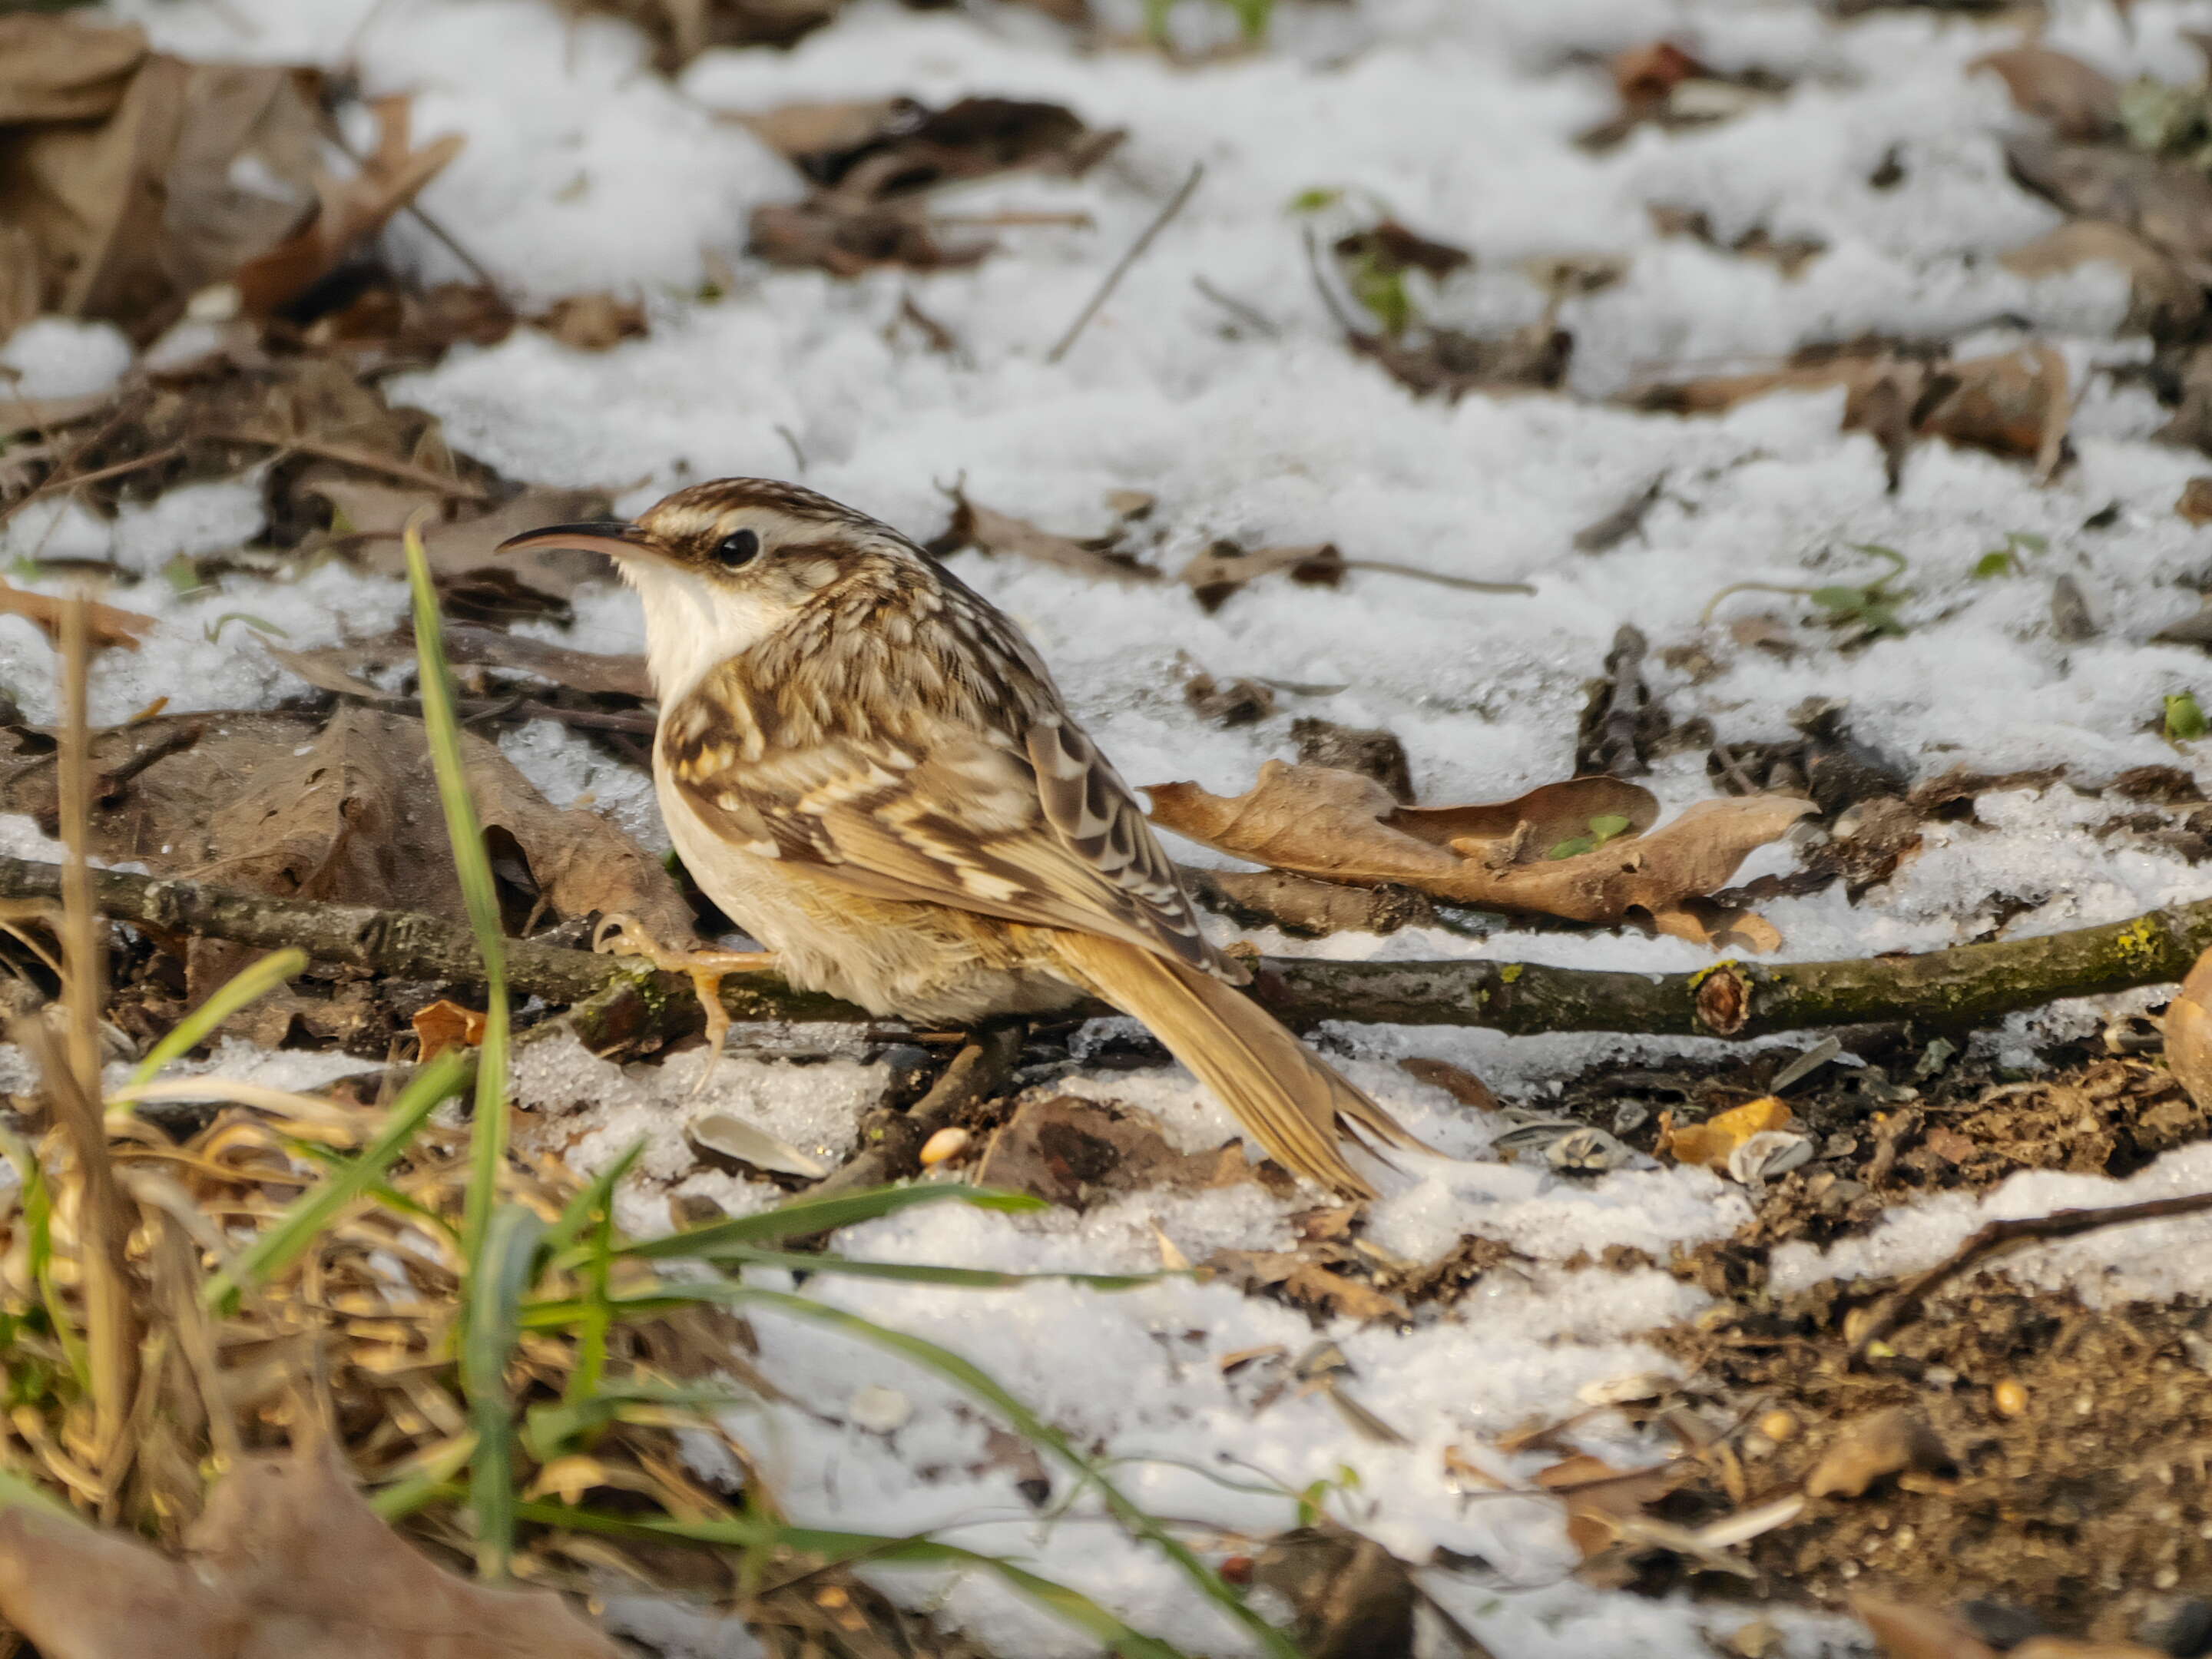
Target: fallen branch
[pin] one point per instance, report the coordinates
(2002, 1237)
(1956, 989)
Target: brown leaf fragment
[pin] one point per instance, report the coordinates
(1305, 908)
(107, 625)
(2079, 100)
(2167, 204)
(1645, 75)
(285, 1562)
(348, 210)
(1906, 1631)
(1073, 1153)
(593, 322)
(59, 69)
(1602, 535)
(1393, 248)
(1619, 723)
(1369, 751)
(464, 548)
(1238, 703)
(1710, 1144)
(990, 531)
(1872, 1448)
(1457, 1081)
(1353, 1598)
(2189, 1032)
(2196, 502)
(1600, 1499)
(446, 1024)
(2164, 301)
(1577, 849)
(1224, 568)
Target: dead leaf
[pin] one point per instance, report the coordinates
(1305, 908)
(1392, 248)
(59, 69)
(2167, 204)
(107, 625)
(2189, 1033)
(2065, 1647)
(348, 210)
(1872, 1447)
(445, 1024)
(1645, 75)
(990, 531)
(1906, 1631)
(2080, 101)
(1602, 1499)
(1369, 751)
(681, 29)
(1577, 850)
(1457, 1081)
(1225, 568)
(1710, 1144)
(285, 1560)
(2196, 502)
(2163, 300)
(463, 550)
(593, 322)
(1353, 1598)
(1072, 1151)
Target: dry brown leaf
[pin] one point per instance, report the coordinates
(347, 211)
(1516, 856)
(1457, 1081)
(1645, 75)
(2189, 1032)
(1873, 1447)
(2167, 204)
(990, 531)
(465, 549)
(1224, 568)
(1708, 1144)
(286, 1562)
(2195, 501)
(58, 68)
(593, 322)
(1072, 1152)
(1600, 1498)
(1351, 1598)
(107, 624)
(2163, 300)
(446, 1024)
(2080, 101)
(2066, 1647)
(1906, 1631)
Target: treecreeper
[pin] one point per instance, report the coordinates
(869, 769)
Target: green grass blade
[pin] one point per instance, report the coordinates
(922, 1273)
(310, 1212)
(240, 990)
(1068, 1603)
(497, 1277)
(479, 892)
(595, 1200)
(39, 1225)
(20, 1491)
(804, 1217)
(979, 1384)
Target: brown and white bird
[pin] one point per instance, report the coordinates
(866, 766)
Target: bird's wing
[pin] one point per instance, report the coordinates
(904, 772)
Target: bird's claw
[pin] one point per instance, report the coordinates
(624, 935)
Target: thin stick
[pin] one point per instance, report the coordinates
(978, 1072)
(2001, 1237)
(368, 460)
(81, 964)
(1136, 252)
(58, 481)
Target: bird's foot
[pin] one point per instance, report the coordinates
(624, 935)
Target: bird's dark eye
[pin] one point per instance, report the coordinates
(739, 547)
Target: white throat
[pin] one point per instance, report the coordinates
(693, 625)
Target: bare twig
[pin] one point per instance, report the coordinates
(2001, 1238)
(1251, 316)
(979, 1071)
(367, 459)
(1176, 203)
(1955, 989)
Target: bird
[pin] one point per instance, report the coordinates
(869, 769)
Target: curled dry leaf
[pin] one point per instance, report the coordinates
(1874, 1447)
(286, 1558)
(1072, 1151)
(107, 623)
(1710, 1144)
(1601, 1499)
(2163, 300)
(1351, 1598)
(2167, 204)
(1578, 849)
(446, 1024)
(1906, 1632)
(347, 211)
(593, 322)
(2189, 1032)
(2194, 503)
(2079, 100)
(988, 531)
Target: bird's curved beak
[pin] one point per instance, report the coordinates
(612, 537)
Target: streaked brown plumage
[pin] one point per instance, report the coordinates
(868, 767)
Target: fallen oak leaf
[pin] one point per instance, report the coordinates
(446, 1024)
(1344, 827)
(285, 1560)
(107, 624)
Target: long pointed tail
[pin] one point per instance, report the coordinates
(1279, 1090)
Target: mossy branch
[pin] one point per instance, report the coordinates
(615, 1001)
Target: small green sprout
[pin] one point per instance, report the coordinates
(2184, 720)
(2006, 561)
(1605, 827)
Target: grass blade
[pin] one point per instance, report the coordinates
(311, 1211)
(499, 1274)
(805, 1216)
(479, 892)
(38, 1224)
(1063, 1599)
(240, 990)
(978, 1383)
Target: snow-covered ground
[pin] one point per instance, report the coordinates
(586, 169)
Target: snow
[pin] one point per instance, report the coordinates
(586, 169)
